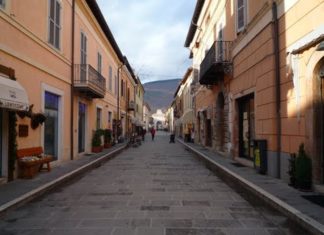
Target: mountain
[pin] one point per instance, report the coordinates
(159, 94)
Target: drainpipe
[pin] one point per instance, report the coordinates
(275, 35)
(72, 81)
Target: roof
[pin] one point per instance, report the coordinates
(183, 81)
(130, 69)
(93, 5)
(194, 21)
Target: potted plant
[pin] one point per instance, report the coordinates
(96, 141)
(107, 138)
(303, 170)
(292, 170)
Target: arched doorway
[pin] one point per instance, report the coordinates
(220, 122)
(318, 131)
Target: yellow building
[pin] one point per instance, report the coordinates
(259, 68)
(68, 67)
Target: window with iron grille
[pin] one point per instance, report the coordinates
(54, 23)
(241, 15)
(110, 79)
(2, 4)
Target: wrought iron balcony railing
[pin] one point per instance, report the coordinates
(131, 105)
(216, 63)
(89, 81)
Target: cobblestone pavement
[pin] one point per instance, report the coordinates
(155, 189)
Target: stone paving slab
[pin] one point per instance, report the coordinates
(20, 191)
(272, 189)
(146, 190)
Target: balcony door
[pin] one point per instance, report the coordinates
(220, 48)
(83, 53)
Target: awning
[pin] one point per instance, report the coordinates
(12, 95)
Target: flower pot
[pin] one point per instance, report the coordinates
(107, 145)
(96, 149)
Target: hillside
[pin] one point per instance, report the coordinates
(159, 94)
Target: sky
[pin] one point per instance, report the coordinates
(151, 33)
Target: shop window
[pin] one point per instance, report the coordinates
(51, 127)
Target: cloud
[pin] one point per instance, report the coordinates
(151, 34)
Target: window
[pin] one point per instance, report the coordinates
(122, 88)
(2, 4)
(98, 118)
(99, 62)
(109, 117)
(54, 23)
(51, 126)
(116, 85)
(83, 48)
(241, 15)
(110, 79)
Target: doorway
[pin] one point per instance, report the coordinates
(246, 126)
(208, 133)
(51, 124)
(82, 127)
(220, 122)
(1, 133)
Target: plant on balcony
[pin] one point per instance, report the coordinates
(96, 141)
(303, 170)
(107, 138)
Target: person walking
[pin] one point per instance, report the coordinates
(153, 133)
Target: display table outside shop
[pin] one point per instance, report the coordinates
(31, 161)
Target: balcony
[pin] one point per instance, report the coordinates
(131, 106)
(89, 81)
(216, 63)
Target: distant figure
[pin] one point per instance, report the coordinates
(153, 133)
(192, 137)
(143, 134)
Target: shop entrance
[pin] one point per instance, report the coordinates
(1, 133)
(208, 133)
(246, 126)
(51, 124)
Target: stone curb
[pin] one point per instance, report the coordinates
(268, 199)
(17, 202)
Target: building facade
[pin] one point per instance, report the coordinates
(260, 68)
(59, 61)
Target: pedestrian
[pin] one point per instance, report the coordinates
(153, 133)
(192, 135)
(143, 134)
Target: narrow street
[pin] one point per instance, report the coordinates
(155, 189)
